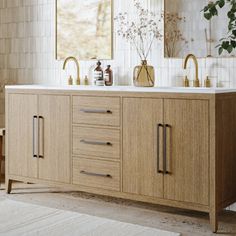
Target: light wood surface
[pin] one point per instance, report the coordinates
(140, 120)
(90, 173)
(111, 104)
(187, 150)
(96, 142)
(55, 138)
(21, 109)
(226, 149)
(200, 145)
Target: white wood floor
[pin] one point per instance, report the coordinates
(187, 222)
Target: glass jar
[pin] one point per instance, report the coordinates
(144, 75)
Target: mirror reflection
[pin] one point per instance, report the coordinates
(84, 29)
(187, 31)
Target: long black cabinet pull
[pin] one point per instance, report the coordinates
(35, 155)
(41, 137)
(95, 174)
(165, 147)
(158, 147)
(96, 111)
(96, 142)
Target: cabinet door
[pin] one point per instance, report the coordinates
(55, 120)
(140, 160)
(20, 121)
(187, 142)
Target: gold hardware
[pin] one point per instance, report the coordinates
(77, 66)
(196, 82)
(186, 82)
(207, 82)
(86, 80)
(70, 80)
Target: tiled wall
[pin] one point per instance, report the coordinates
(27, 50)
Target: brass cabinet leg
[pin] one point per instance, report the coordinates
(8, 186)
(214, 221)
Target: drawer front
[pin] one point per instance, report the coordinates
(96, 142)
(96, 110)
(96, 173)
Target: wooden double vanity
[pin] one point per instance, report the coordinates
(174, 147)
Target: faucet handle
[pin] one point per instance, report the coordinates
(186, 81)
(196, 83)
(70, 80)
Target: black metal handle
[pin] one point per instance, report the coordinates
(34, 155)
(41, 139)
(164, 148)
(95, 174)
(96, 111)
(158, 147)
(96, 142)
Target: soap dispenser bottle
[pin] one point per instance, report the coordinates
(98, 75)
(86, 80)
(108, 76)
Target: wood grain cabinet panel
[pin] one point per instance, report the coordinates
(55, 138)
(140, 120)
(96, 173)
(104, 111)
(21, 110)
(183, 149)
(98, 142)
(187, 150)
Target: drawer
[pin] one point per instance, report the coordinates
(96, 110)
(96, 142)
(96, 173)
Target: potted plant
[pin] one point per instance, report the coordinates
(141, 32)
(227, 43)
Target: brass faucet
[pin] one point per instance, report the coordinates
(196, 82)
(77, 66)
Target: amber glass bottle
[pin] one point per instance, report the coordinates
(98, 75)
(108, 76)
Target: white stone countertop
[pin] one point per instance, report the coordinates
(124, 89)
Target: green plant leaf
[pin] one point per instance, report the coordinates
(221, 3)
(233, 43)
(225, 45)
(208, 16)
(213, 11)
(220, 50)
(230, 49)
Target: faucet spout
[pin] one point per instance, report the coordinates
(77, 67)
(193, 57)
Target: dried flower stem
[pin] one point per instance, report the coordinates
(142, 31)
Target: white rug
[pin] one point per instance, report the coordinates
(17, 218)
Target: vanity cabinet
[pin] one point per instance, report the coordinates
(187, 150)
(54, 138)
(166, 149)
(170, 148)
(22, 108)
(96, 143)
(141, 117)
(40, 127)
